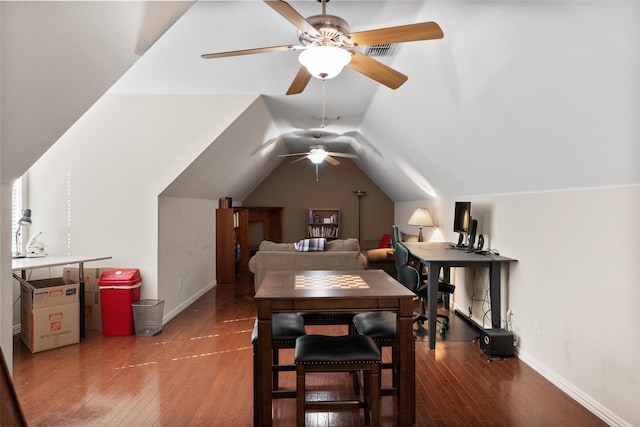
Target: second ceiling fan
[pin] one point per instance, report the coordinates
(328, 45)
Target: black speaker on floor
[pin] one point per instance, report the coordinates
(496, 342)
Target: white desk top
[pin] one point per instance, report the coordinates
(51, 261)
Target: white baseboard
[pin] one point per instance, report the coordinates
(574, 392)
(177, 310)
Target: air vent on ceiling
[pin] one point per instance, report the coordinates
(380, 50)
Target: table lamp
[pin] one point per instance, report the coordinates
(26, 221)
(422, 218)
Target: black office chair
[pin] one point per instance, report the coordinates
(417, 283)
(395, 236)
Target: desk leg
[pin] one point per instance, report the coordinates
(406, 350)
(494, 294)
(434, 271)
(81, 296)
(264, 362)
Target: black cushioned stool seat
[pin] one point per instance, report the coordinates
(345, 353)
(285, 328)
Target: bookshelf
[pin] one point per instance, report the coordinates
(239, 231)
(231, 236)
(323, 223)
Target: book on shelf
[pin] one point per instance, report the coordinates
(321, 231)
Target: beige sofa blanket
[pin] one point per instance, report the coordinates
(340, 255)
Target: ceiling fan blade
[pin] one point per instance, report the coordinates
(334, 162)
(403, 33)
(299, 82)
(251, 51)
(347, 155)
(292, 154)
(376, 70)
(301, 158)
(291, 15)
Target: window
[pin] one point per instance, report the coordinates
(16, 209)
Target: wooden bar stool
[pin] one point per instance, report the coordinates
(381, 327)
(285, 328)
(345, 353)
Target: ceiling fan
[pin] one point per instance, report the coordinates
(328, 45)
(317, 154)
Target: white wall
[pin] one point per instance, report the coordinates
(186, 251)
(95, 192)
(577, 274)
(6, 290)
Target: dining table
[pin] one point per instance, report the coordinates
(328, 290)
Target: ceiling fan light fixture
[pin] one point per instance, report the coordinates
(324, 62)
(317, 155)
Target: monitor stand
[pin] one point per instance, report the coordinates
(461, 244)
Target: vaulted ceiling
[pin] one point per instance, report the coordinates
(518, 96)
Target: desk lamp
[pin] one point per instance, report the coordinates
(422, 218)
(26, 221)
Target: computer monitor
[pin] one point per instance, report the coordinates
(462, 217)
(462, 222)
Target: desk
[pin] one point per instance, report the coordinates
(24, 264)
(291, 291)
(441, 255)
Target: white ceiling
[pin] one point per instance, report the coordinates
(518, 96)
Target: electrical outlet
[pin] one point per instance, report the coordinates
(180, 283)
(536, 327)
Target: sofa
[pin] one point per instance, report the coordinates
(377, 253)
(340, 254)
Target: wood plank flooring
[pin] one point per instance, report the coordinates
(198, 372)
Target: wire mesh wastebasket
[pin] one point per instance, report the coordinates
(147, 316)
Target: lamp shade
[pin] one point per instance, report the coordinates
(26, 218)
(421, 217)
(324, 62)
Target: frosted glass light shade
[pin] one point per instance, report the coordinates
(317, 156)
(324, 62)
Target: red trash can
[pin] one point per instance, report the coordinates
(119, 288)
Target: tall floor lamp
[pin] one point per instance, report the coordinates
(359, 193)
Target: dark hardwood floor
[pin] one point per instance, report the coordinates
(198, 372)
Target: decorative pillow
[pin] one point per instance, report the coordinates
(311, 245)
(385, 242)
(378, 255)
(408, 237)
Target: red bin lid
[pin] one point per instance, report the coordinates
(120, 276)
